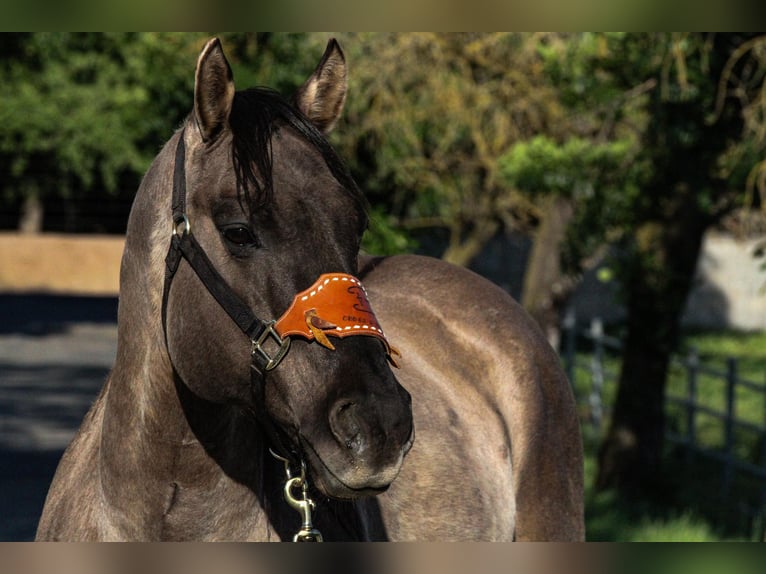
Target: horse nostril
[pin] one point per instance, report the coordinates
(345, 425)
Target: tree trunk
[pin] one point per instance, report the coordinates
(685, 193)
(31, 217)
(630, 456)
(461, 252)
(661, 276)
(546, 289)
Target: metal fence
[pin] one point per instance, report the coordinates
(584, 353)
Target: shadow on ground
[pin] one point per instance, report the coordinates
(44, 314)
(55, 353)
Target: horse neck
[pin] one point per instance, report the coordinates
(161, 447)
(140, 396)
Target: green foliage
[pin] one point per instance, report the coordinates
(431, 118)
(84, 114)
(384, 237)
(579, 168)
(428, 117)
(81, 112)
(600, 178)
(650, 154)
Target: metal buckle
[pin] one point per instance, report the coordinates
(180, 221)
(284, 346)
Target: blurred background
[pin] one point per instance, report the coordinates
(612, 183)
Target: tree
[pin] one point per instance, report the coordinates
(579, 176)
(85, 113)
(574, 182)
(685, 146)
(429, 117)
(696, 157)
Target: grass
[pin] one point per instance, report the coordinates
(693, 506)
(749, 351)
(608, 518)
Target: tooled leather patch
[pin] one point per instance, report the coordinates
(335, 305)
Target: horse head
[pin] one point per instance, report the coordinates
(271, 208)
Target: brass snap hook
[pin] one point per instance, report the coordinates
(304, 505)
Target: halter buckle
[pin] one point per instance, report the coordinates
(181, 225)
(284, 346)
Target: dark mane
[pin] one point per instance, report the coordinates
(256, 115)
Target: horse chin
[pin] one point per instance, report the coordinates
(334, 485)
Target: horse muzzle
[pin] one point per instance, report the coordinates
(365, 448)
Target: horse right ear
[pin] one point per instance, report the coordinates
(322, 96)
(213, 90)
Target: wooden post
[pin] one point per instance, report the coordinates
(731, 383)
(597, 373)
(692, 367)
(570, 344)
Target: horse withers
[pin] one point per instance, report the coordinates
(261, 367)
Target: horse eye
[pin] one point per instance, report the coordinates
(239, 235)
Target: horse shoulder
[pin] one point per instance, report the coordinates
(487, 387)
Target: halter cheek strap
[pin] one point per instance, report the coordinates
(183, 245)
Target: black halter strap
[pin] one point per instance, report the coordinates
(183, 245)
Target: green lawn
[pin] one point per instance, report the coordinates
(693, 505)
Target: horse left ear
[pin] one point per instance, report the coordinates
(213, 90)
(322, 96)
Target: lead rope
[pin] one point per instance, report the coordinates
(304, 505)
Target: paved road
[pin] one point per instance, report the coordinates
(55, 353)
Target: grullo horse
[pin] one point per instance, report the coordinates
(263, 366)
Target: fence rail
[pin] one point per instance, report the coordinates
(583, 354)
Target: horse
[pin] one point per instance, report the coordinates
(273, 383)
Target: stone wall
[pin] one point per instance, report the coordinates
(730, 286)
(729, 289)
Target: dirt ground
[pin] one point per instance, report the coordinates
(59, 263)
(58, 338)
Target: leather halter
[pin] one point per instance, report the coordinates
(184, 245)
(336, 305)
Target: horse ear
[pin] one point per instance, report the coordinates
(213, 90)
(322, 96)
